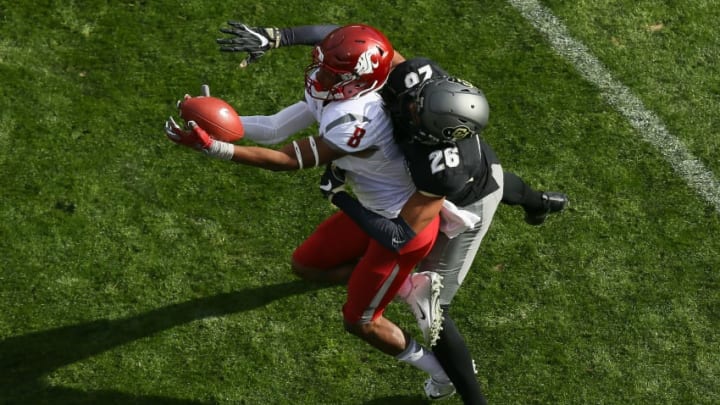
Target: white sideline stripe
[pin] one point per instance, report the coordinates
(650, 127)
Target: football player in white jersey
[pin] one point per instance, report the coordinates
(355, 132)
(468, 184)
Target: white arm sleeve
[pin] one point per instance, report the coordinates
(273, 129)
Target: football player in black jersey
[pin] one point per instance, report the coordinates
(437, 123)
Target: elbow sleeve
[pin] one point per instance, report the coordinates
(273, 129)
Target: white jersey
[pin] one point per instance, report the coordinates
(376, 170)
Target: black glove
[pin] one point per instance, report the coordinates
(332, 181)
(253, 40)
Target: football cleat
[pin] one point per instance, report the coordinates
(552, 202)
(424, 302)
(435, 390)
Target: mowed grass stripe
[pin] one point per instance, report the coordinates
(646, 122)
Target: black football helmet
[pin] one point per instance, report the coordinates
(447, 109)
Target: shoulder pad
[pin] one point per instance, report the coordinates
(411, 73)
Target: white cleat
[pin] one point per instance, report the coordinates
(424, 301)
(435, 390)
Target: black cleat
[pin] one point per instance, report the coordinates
(552, 202)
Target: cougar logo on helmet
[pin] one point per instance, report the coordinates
(368, 61)
(457, 133)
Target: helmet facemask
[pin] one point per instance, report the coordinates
(346, 84)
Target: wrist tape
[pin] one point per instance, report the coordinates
(221, 150)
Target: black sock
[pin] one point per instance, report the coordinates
(453, 354)
(517, 192)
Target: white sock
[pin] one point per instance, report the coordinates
(423, 359)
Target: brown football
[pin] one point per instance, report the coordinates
(215, 116)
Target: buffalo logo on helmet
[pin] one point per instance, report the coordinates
(457, 133)
(461, 81)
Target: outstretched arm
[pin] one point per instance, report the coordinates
(305, 34)
(258, 40)
(307, 152)
(276, 128)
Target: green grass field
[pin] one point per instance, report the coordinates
(134, 271)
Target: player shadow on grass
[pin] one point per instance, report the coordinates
(26, 360)
(399, 400)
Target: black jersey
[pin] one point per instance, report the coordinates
(408, 75)
(460, 171)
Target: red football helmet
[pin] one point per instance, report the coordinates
(350, 61)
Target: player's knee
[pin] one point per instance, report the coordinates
(359, 329)
(302, 271)
(312, 274)
(335, 275)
